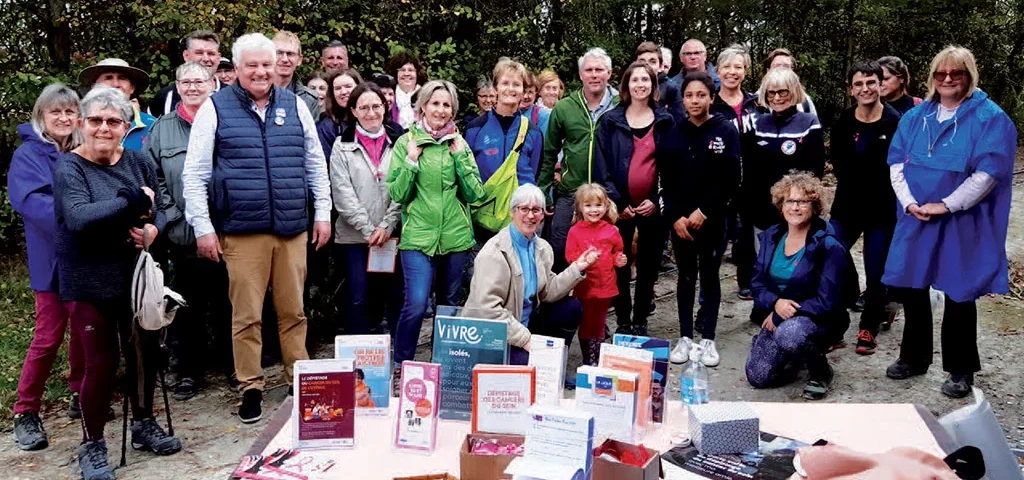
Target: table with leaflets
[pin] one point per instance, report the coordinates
(870, 428)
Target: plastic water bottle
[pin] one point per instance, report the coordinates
(694, 381)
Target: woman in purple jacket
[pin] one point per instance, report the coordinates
(49, 134)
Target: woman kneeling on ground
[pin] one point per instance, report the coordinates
(798, 288)
(513, 278)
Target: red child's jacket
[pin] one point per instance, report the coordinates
(601, 280)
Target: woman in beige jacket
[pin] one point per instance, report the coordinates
(513, 279)
(367, 217)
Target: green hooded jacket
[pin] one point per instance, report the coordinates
(435, 193)
(570, 130)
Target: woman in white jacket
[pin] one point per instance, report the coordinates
(367, 217)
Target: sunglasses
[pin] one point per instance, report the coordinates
(111, 122)
(956, 75)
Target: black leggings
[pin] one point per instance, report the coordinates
(959, 335)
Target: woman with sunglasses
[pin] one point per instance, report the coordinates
(107, 204)
(951, 166)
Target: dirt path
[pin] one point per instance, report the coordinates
(214, 439)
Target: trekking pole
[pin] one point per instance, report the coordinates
(124, 431)
(167, 405)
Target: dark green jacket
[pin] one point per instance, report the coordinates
(571, 131)
(165, 147)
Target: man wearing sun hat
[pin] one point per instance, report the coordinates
(116, 73)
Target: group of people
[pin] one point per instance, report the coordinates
(551, 198)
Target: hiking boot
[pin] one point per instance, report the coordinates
(92, 459)
(185, 389)
(74, 407)
(745, 294)
(147, 435)
(902, 370)
(396, 382)
(709, 354)
(28, 431)
(866, 343)
(958, 385)
(640, 329)
(681, 354)
(251, 410)
(817, 388)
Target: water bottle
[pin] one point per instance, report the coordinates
(694, 381)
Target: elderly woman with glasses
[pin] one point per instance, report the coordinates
(203, 284)
(107, 207)
(951, 166)
(513, 279)
(50, 133)
(434, 177)
(800, 284)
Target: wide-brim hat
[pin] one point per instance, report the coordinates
(138, 76)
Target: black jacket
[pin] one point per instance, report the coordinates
(671, 97)
(864, 193)
(778, 143)
(748, 112)
(702, 171)
(613, 148)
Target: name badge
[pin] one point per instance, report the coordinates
(279, 121)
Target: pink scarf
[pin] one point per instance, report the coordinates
(448, 129)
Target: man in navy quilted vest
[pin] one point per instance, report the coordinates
(252, 155)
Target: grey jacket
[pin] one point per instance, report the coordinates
(497, 284)
(165, 147)
(308, 96)
(360, 191)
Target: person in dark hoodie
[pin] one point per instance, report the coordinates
(703, 170)
(741, 109)
(800, 288)
(669, 94)
(865, 201)
(627, 141)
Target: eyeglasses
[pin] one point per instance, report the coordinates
(191, 83)
(784, 93)
(798, 203)
(956, 75)
(287, 54)
(530, 210)
(694, 54)
(111, 122)
(377, 108)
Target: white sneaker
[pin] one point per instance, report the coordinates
(709, 357)
(681, 354)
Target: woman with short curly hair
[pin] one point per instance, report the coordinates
(799, 286)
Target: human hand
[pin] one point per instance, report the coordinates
(934, 208)
(558, 177)
(587, 258)
(916, 211)
(137, 236)
(321, 234)
(786, 308)
(412, 150)
(208, 247)
(621, 260)
(768, 324)
(527, 346)
(379, 237)
(646, 208)
(627, 213)
(682, 228)
(150, 193)
(455, 145)
(696, 220)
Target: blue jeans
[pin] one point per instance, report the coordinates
(371, 297)
(797, 340)
(419, 270)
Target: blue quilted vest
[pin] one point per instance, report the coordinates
(259, 178)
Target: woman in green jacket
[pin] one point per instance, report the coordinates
(434, 177)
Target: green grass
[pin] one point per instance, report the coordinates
(17, 322)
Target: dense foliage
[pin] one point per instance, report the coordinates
(46, 40)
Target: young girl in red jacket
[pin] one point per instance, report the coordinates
(594, 227)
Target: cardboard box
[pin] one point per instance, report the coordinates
(609, 470)
(486, 467)
(724, 428)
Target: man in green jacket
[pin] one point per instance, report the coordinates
(571, 131)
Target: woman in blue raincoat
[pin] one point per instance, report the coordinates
(951, 166)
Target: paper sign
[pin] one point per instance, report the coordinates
(418, 400)
(372, 356)
(548, 355)
(382, 258)
(324, 409)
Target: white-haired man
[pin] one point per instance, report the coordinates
(571, 131)
(693, 57)
(242, 137)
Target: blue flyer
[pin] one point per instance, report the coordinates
(463, 338)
